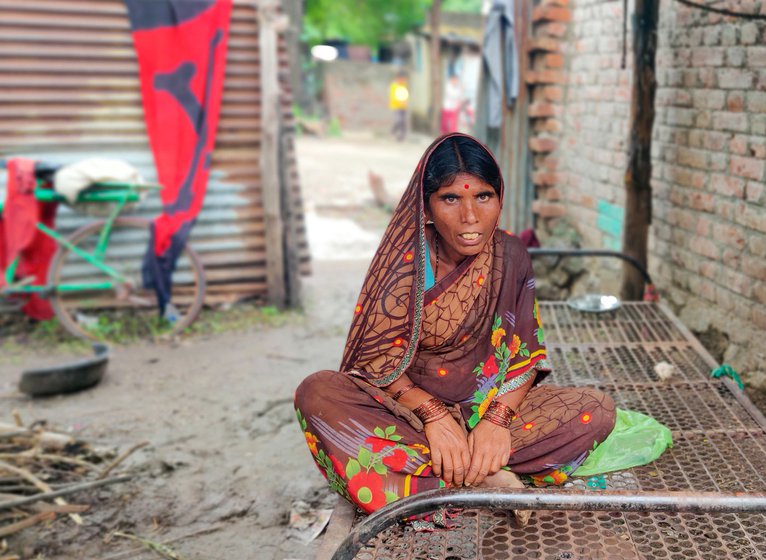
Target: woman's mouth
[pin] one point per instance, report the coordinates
(472, 236)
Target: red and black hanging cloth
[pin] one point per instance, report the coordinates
(181, 48)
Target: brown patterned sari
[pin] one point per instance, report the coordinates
(459, 341)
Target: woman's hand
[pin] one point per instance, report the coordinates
(490, 449)
(449, 450)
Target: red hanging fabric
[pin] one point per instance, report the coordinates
(19, 236)
(181, 49)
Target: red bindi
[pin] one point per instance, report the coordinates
(466, 186)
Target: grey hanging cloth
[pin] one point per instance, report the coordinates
(500, 66)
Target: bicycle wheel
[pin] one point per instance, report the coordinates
(127, 311)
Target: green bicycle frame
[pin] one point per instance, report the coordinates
(114, 192)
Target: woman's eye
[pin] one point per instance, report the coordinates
(483, 197)
(450, 198)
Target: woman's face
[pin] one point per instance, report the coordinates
(465, 214)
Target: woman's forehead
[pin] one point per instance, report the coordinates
(465, 181)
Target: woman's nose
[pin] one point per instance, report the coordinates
(469, 213)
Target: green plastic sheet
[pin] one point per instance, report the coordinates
(637, 439)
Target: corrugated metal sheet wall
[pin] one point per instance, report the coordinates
(69, 89)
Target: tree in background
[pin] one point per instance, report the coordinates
(371, 22)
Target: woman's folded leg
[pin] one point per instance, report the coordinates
(368, 455)
(556, 428)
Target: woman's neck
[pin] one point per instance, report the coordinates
(442, 260)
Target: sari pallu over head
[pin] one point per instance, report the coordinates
(461, 338)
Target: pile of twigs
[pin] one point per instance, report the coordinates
(39, 467)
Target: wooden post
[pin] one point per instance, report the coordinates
(436, 67)
(271, 187)
(638, 190)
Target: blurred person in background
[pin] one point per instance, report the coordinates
(452, 103)
(398, 95)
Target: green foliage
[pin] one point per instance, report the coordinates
(465, 6)
(371, 22)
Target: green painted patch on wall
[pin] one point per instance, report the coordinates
(610, 221)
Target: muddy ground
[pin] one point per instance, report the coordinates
(225, 451)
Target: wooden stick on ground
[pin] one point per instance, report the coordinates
(132, 552)
(121, 458)
(28, 522)
(61, 492)
(39, 484)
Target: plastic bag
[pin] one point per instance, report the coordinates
(637, 439)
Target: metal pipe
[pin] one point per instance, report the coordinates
(545, 252)
(506, 499)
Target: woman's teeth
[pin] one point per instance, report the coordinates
(469, 236)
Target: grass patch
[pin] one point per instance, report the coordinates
(243, 316)
(20, 334)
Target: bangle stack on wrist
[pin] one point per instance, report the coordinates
(499, 414)
(403, 390)
(431, 410)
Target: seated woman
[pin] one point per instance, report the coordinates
(439, 380)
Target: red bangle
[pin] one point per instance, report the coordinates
(499, 414)
(431, 410)
(403, 390)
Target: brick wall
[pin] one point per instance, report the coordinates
(708, 236)
(356, 93)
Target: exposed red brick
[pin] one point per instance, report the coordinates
(707, 56)
(748, 168)
(538, 110)
(759, 292)
(729, 234)
(758, 149)
(754, 268)
(735, 102)
(553, 93)
(542, 144)
(705, 247)
(754, 192)
(727, 186)
(546, 77)
(551, 163)
(554, 60)
(552, 193)
(738, 145)
(547, 178)
(693, 158)
(553, 125)
(547, 44)
(552, 28)
(551, 13)
(759, 317)
(548, 209)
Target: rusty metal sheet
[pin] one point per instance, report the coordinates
(69, 89)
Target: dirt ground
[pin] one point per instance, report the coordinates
(225, 451)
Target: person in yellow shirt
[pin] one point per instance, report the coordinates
(398, 95)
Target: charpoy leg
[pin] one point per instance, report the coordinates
(556, 428)
(368, 455)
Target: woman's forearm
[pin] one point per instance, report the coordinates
(411, 398)
(514, 391)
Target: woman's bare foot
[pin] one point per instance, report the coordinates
(508, 479)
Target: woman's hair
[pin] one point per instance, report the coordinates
(455, 155)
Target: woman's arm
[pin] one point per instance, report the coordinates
(490, 444)
(446, 440)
